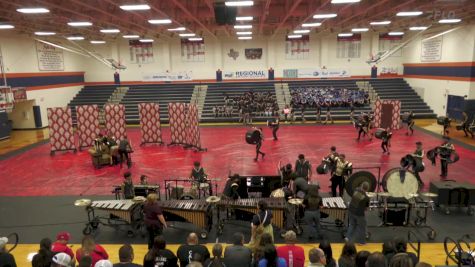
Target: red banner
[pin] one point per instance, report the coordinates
(19, 94)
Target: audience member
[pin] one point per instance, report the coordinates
(44, 256)
(258, 251)
(103, 263)
(126, 257)
(376, 259)
(217, 260)
(237, 255)
(361, 257)
(90, 248)
(348, 254)
(6, 259)
(61, 260)
(153, 218)
(401, 260)
(317, 258)
(61, 244)
(388, 250)
(264, 217)
(325, 246)
(293, 255)
(194, 264)
(328, 97)
(271, 259)
(400, 244)
(422, 264)
(186, 253)
(85, 261)
(159, 255)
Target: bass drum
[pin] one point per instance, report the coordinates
(400, 183)
(357, 178)
(324, 167)
(380, 133)
(252, 137)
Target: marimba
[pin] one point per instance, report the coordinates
(121, 213)
(335, 207)
(249, 205)
(195, 211)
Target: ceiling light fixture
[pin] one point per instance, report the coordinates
(44, 33)
(242, 26)
(345, 34)
(409, 13)
(314, 24)
(110, 30)
(239, 3)
(131, 36)
(301, 31)
(134, 7)
(418, 28)
(243, 33)
(443, 21)
(34, 10)
(6, 27)
(187, 35)
(385, 22)
(80, 24)
(396, 33)
(245, 37)
(159, 21)
(195, 39)
(75, 38)
(345, 1)
(247, 18)
(294, 36)
(359, 30)
(98, 42)
(179, 29)
(324, 16)
(146, 40)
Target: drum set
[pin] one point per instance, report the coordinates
(186, 189)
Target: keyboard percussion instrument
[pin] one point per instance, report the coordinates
(336, 209)
(195, 211)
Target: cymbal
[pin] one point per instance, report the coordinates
(278, 193)
(82, 202)
(429, 194)
(139, 199)
(295, 201)
(413, 195)
(213, 199)
(371, 194)
(384, 194)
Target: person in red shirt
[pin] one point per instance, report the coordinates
(294, 255)
(91, 249)
(61, 244)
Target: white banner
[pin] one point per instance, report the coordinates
(167, 76)
(247, 74)
(322, 73)
(50, 58)
(431, 50)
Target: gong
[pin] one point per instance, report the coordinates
(357, 178)
(400, 183)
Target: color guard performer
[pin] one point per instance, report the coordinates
(418, 155)
(386, 141)
(275, 127)
(259, 144)
(410, 123)
(465, 125)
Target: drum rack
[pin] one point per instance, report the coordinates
(169, 192)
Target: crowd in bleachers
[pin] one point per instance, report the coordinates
(328, 97)
(192, 254)
(257, 104)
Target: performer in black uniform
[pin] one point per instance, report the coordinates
(286, 172)
(465, 125)
(303, 168)
(259, 144)
(410, 123)
(446, 150)
(128, 186)
(275, 127)
(231, 187)
(365, 127)
(446, 125)
(319, 113)
(418, 155)
(199, 176)
(386, 141)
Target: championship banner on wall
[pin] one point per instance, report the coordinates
(315, 73)
(248, 74)
(253, 53)
(140, 53)
(50, 58)
(167, 76)
(388, 42)
(349, 47)
(297, 48)
(192, 51)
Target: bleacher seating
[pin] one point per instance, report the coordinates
(399, 89)
(157, 93)
(338, 113)
(215, 97)
(91, 95)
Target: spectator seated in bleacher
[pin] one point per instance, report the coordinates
(259, 104)
(328, 97)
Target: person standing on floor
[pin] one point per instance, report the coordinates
(356, 215)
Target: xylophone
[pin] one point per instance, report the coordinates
(140, 190)
(276, 205)
(335, 207)
(121, 213)
(194, 211)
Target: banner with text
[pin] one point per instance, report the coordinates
(248, 74)
(316, 73)
(167, 76)
(50, 58)
(140, 53)
(297, 48)
(431, 49)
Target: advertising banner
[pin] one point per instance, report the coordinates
(167, 76)
(247, 74)
(316, 73)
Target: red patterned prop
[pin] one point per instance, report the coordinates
(60, 129)
(88, 124)
(193, 131)
(115, 120)
(176, 113)
(150, 123)
(395, 116)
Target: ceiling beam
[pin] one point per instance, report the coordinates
(193, 17)
(265, 13)
(287, 16)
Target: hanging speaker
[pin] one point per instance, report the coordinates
(224, 14)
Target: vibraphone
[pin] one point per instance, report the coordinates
(194, 211)
(276, 205)
(121, 213)
(139, 190)
(335, 207)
